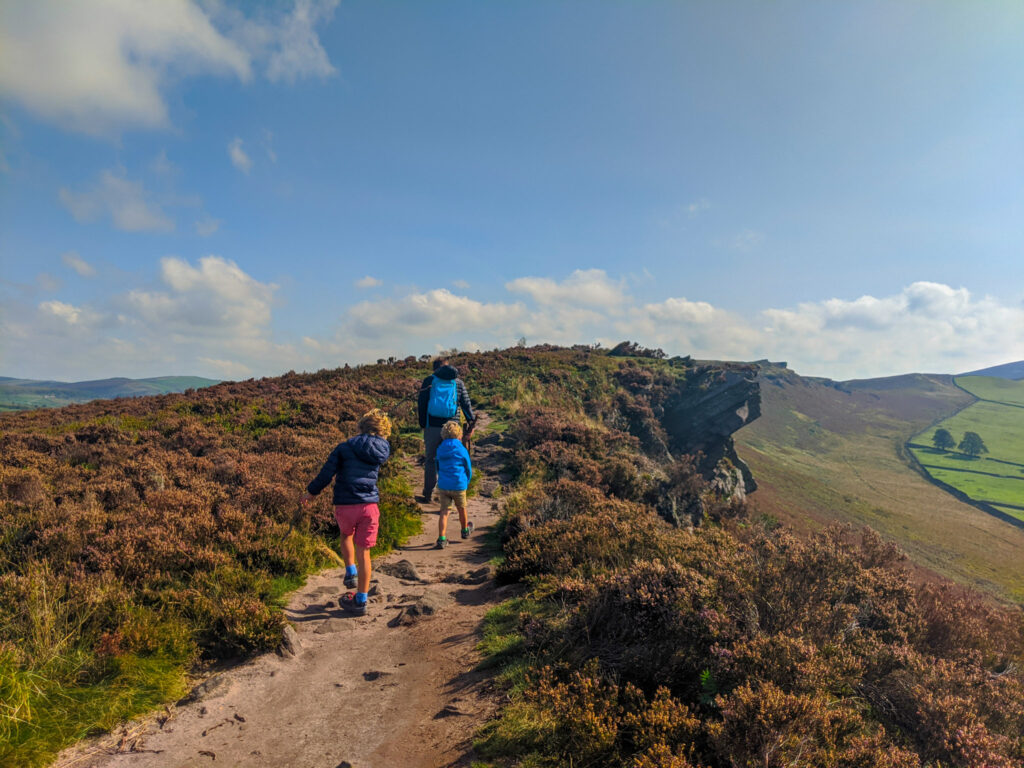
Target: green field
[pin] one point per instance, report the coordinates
(825, 452)
(996, 477)
(992, 388)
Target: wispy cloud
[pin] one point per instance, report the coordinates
(124, 201)
(368, 282)
(698, 206)
(745, 241)
(78, 264)
(207, 226)
(238, 156)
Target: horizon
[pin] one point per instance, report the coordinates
(496, 349)
(234, 190)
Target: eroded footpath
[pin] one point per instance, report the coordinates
(394, 688)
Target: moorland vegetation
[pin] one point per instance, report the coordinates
(140, 537)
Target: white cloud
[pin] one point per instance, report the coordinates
(297, 51)
(927, 327)
(212, 317)
(437, 313)
(95, 67)
(239, 158)
(100, 67)
(207, 226)
(230, 369)
(215, 299)
(368, 282)
(125, 201)
(584, 287)
(66, 312)
(462, 284)
(81, 266)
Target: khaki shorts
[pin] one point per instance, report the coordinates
(450, 497)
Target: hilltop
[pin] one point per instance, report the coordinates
(25, 394)
(1013, 371)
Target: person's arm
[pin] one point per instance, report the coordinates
(422, 399)
(322, 480)
(468, 462)
(467, 407)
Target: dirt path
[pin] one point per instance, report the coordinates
(393, 688)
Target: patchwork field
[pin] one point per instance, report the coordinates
(995, 477)
(825, 452)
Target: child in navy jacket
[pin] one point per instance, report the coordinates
(355, 465)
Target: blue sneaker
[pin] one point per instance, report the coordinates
(348, 604)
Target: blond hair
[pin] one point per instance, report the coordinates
(375, 422)
(451, 430)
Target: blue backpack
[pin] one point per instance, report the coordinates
(444, 399)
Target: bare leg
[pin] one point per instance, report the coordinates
(442, 524)
(364, 568)
(463, 518)
(348, 552)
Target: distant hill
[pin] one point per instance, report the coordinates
(827, 451)
(1013, 371)
(25, 394)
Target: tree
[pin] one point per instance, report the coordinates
(972, 444)
(943, 440)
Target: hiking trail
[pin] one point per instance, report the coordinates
(397, 687)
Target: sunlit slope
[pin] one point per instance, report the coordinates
(995, 477)
(824, 452)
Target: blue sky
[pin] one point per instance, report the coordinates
(234, 190)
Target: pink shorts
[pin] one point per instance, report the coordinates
(360, 520)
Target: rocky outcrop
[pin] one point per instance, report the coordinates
(701, 417)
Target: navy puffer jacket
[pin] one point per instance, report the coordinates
(356, 463)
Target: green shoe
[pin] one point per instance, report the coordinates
(467, 531)
(442, 542)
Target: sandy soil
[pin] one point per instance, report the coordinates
(394, 688)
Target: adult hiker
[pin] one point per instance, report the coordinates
(441, 396)
(355, 464)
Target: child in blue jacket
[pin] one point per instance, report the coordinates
(454, 471)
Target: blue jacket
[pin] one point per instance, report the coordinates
(454, 469)
(355, 463)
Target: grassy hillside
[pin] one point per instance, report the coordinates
(25, 394)
(996, 477)
(824, 452)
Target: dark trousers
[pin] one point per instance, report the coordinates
(431, 440)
